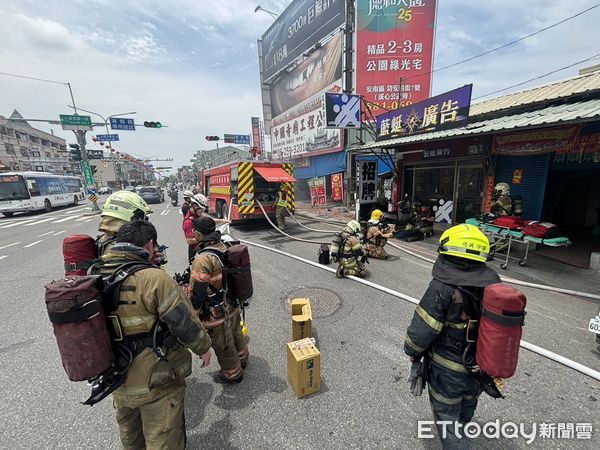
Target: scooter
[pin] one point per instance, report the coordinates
(174, 200)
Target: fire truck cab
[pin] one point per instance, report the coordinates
(238, 187)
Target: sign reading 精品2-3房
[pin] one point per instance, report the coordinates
(444, 111)
(394, 52)
(297, 29)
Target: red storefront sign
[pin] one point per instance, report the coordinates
(321, 191)
(394, 52)
(337, 188)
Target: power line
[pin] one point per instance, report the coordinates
(33, 78)
(508, 43)
(538, 77)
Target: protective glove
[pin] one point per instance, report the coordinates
(416, 378)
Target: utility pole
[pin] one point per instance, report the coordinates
(80, 135)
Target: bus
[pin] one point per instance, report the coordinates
(31, 191)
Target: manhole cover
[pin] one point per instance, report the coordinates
(323, 302)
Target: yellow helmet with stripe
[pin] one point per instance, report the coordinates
(465, 241)
(125, 205)
(377, 214)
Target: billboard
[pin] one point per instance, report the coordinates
(341, 110)
(315, 73)
(394, 52)
(302, 130)
(299, 27)
(257, 136)
(444, 111)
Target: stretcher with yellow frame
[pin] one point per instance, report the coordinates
(504, 237)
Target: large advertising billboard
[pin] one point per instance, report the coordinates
(394, 52)
(299, 27)
(319, 70)
(301, 131)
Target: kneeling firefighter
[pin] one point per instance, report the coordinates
(502, 204)
(377, 235)
(155, 324)
(347, 250)
(216, 303)
(445, 323)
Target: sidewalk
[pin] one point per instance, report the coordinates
(538, 269)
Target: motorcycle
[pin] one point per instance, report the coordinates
(174, 202)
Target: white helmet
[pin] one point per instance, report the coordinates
(502, 189)
(188, 194)
(200, 200)
(353, 227)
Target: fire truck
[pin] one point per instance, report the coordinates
(241, 184)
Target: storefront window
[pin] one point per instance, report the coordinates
(434, 184)
(469, 195)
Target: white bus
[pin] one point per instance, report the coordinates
(30, 191)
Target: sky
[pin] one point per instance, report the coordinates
(192, 64)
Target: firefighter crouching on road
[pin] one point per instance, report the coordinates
(218, 315)
(441, 326)
(281, 208)
(149, 403)
(377, 236)
(350, 252)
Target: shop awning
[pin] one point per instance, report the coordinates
(274, 174)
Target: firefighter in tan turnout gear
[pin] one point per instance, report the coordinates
(218, 315)
(377, 236)
(156, 322)
(351, 254)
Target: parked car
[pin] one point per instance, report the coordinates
(129, 188)
(104, 190)
(151, 194)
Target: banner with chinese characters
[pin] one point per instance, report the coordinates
(444, 111)
(367, 181)
(302, 130)
(257, 136)
(337, 188)
(313, 191)
(560, 140)
(585, 150)
(394, 52)
(321, 191)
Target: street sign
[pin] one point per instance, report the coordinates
(117, 123)
(95, 154)
(76, 122)
(243, 139)
(107, 137)
(87, 173)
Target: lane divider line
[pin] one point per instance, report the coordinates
(59, 232)
(63, 219)
(14, 224)
(3, 256)
(33, 243)
(37, 222)
(46, 234)
(10, 245)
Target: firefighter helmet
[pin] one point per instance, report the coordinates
(353, 227)
(377, 214)
(502, 189)
(465, 241)
(125, 205)
(200, 200)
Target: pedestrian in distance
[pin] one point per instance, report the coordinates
(281, 208)
(444, 323)
(219, 314)
(377, 235)
(158, 325)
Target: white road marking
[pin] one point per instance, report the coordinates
(33, 243)
(9, 245)
(46, 234)
(63, 220)
(81, 218)
(59, 232)
(164, 212)
(40, 221)
(16, 223)
(91, 218)
(3, 256)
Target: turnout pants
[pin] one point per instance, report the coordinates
(280, 213)
(159, 424)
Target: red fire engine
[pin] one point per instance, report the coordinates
(241, 184)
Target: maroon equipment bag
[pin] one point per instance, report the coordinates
(511, 222)
(500, 330)
(543, 230)
(79, 253)
(239, 277)
(75, 309)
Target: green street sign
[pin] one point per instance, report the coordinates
(87, 173)
(76, 122)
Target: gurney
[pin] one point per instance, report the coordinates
(504, 235)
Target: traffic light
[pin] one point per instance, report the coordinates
(152, 124)
(75, 152)
(94, 169)
(213, 138)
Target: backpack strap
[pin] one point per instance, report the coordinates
(112, 284)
